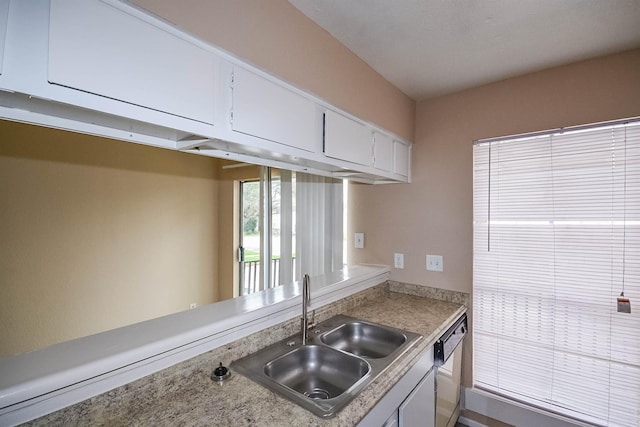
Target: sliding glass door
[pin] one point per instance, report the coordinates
(289, 223)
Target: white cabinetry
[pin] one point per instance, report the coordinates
(97, 48)
(382, 151)
(411, 402)
(401, 158)
(267, 110)
(392, 421)
(419, 407)
(347, 139)
(4, 15)
(104, 67)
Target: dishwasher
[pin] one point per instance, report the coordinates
(448, 365)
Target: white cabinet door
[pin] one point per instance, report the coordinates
(401, 158)
(392, 421)
(95, 47)
(267, 110)
(4, 15)
(347, 139)
(382, 151)
(419, 409)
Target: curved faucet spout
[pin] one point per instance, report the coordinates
(306, 298)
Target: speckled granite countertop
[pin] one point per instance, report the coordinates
(184, 395)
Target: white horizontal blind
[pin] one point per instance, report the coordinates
(556, 238)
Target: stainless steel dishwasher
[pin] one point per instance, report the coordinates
(448, 365)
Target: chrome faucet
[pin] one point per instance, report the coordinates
(306, 298)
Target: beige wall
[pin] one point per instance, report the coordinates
(277, 37)
(433, 214)
(97, 234)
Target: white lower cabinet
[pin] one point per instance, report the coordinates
(419, 409)
(4, 15)
(392, 421)
(411, 402)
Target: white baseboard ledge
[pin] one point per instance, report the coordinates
(470, 423)
(511, 412)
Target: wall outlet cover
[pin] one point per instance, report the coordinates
(398, 260)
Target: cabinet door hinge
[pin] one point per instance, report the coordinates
(324, 132)
(233, 79)
(373, 149)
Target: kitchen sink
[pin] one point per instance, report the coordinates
(365, 339)
(342, 356)
(317, 372)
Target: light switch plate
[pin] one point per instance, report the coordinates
(359, 240)
(435, 263)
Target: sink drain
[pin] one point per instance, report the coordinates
(318, 394)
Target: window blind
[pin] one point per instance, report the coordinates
(556, 240)
(319, 225)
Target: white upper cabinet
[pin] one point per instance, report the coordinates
(382, 151)
(271, 111)
(347, 139)
(105, 67)
(401, 158)
(4, 15)
(98, 48)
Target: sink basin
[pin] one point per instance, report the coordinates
(343, 355)
(364, 339)
(317, 372)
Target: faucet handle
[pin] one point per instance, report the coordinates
(312, 323)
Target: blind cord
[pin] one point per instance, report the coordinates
(489, 204)
(555, 281)
(624, 214)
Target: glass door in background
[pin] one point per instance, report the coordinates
(249, 239)
(266, 257)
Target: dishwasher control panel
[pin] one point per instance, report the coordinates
(450, 340)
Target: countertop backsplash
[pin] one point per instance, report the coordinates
(429, 292)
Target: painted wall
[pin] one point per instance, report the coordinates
(97, 234)
(433, 214)
(277, 37)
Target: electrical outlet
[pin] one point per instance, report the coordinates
(192, 305)
(398, 260)
(435, 263)
(359, 240)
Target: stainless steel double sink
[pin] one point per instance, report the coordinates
(342, 356)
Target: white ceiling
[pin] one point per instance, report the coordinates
(433, 47)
